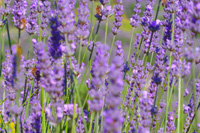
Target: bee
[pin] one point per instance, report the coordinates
(22, 23)
(34, 69)
(36, 72)
(98, 10)
(163, 2)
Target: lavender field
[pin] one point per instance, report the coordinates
(100, 66)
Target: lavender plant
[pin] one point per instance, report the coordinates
(146, 83)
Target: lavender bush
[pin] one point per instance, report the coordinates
(83, 66)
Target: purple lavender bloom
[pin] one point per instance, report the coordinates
(31, 26)
(83, 22)
(146, 20)
(55, 40)
(159, 65)
(36, 114)
(119, 51)
(67, 28)
(170, 122)
(113, 120)
(195, 17)
(51, 81)
(46, 6)
(99, 69)
(154, 26)
(103, 2)
(104, 12)
(145, 106)
(118, 17)
(69, 110)
(134, 20)
(5, 11)
(19, 12)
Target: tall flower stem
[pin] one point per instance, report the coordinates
(180, 118)
(80, 104)
(79, 55)
(92, 16)
(2, 51)
(8, 33)
(131, 41)
(106, 31)
(97, 30)
(194, 92)
(27, 106)
(96, 126)
(43, 111)
(74, 114)
(113, 40)
(40, 30)
(91, 122)
(90, 38)
(19, 36)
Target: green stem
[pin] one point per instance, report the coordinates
(179, 105)
(79, 55)
(96, 126)
(66, 125)
(17, 124)
(43, 111)
(80, 104)
(8, 33)
(106, 31)
(74, 115)
(131, 41)
(91, 122)
(111, 48)
(92, 16)
(27, 107)
(90, 38)
(97, 30)
(195, 98)
(2, 50)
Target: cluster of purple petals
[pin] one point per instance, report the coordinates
(82, 31)
(32, 26)
(112, 118)
(7, 10)
(134, 20)
(99, 69)
(147, 24)
(66, 17)
(118, 17)
(145, 106)
(105, 12)
(55, 39)
(19, 12)
(119, 51)
(170, 122)
(194, 11)
(45, 8)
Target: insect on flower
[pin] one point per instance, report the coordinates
(22, 23)
(98, 10)
(34, 69)
(163, 2)
(98, 13)
(35, 72)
